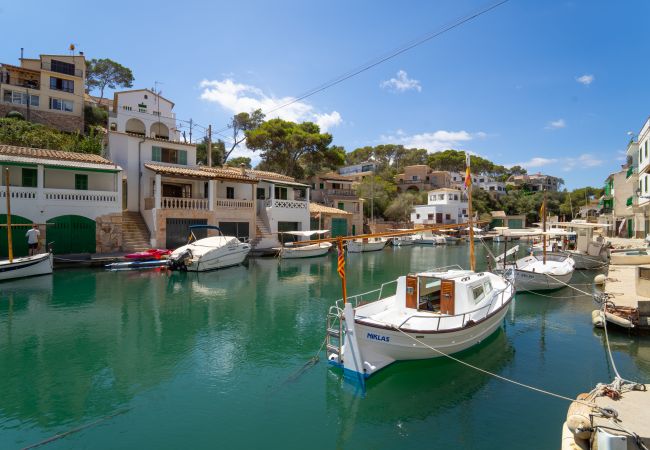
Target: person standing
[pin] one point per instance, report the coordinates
(32, 236)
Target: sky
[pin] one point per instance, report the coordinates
(555, 86)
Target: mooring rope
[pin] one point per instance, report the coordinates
(308, 365)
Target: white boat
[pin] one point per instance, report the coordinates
(295, 250)
(432, 314)
(533, 273)
(27, 266)
(366, 245)
(210, 253)
(400, 241)
(429, 238)
(590, 252)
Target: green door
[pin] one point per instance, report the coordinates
(515, 224)
(339, 227)
(71, 234)
(18, 235)
(630, 228)
(496, 223)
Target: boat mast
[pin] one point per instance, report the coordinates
(9, 240)
(468, 185)
(544, 225)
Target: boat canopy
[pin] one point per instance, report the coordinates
(475, 229)
(208, 227)
(306, 233)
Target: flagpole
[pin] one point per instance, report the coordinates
(10, 249)
(544, 225)
(468, 185)
(341, 268)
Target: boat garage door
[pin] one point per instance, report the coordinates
(71, 234)
(339, 227)
(288, 226)
(178, 231)
(237, 229)
(18, 233)
(515, 224)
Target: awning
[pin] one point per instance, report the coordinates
(306, 233)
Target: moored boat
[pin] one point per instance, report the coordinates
(366, 245)
(429, 238)
(293, 250)
(148, 255)
(210, 253)
(400, 241)
(630, 257)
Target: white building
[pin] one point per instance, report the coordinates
(145, 113)
(445, 206)
(74, 197)
(481, 181)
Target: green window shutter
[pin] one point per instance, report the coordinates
(81, 182)
(29, 177)
(156, 153)
(341, 205)
(182, 157)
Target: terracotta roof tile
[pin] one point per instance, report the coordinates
(230, 173)
(200, 172)
(41, 153)
(317, 208)
(269, 175)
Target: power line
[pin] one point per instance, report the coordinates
(386, 56)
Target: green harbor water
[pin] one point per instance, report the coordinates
(175, 360)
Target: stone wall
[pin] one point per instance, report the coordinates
(109, 233)
(62, 122)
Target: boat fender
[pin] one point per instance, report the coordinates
(597, 318)
(578, 418)
(600, 279)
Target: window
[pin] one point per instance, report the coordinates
(169, 155)
(430, 216)
(441, 196)
(81, 182)
(230, 192)
(280, 193)
(62, 67)
(414, 178)
(321, 185)
(261, 193)
(448, 216)
(455, 196)
(464, 212)
(61, 105)
(478, 293)
(59, 84)
(417, 216)
(20, 98)
(341, 205)
(29, 177)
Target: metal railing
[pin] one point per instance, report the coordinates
(62, 69)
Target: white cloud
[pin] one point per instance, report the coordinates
(622, 155)
(402, 83)
(238, 97)
(584, 160)
(585, 79)
(556, 124)
(432, 141)
(537, 161)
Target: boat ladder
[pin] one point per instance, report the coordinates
(334, 338)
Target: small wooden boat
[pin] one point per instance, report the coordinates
(28, 266)
(401, 241)
(293, 250)
(366, 245)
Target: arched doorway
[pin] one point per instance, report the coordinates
(71, 234)
(159, 130)
(135, 126)
(18, 236)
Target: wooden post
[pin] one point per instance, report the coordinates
(472, 258)
(544, 226)
(9, 237)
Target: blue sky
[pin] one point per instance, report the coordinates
(555, 85)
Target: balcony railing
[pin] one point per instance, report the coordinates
(288, 204)
(19, 193)
(630, 171)
(232, 203)
(200, 204)
(6, 78)
(341, 192)
(87, 197)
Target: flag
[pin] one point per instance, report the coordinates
(468, 175)
(542, 210)
(341, 259)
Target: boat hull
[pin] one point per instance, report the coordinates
(358, 247)
(309, 251)
(534, 281)
(583, 261)
(382, 346)
(28, 266)
(219, 260)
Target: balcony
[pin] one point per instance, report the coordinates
(232, 203)
(95, 198)
(341, 192)
(286, 204)
(6, 78)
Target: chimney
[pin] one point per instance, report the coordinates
(22, 50)
(81, 53)
(242, 167)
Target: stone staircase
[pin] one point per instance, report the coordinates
(135, 234)
(263, 235)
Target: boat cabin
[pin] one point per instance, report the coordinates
(448, 295)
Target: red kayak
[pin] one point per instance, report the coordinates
(148, 255)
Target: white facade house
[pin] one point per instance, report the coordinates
(145, 113)
(445, 206)
(72, 196)
(481, 181)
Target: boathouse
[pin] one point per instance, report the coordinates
(74, 197)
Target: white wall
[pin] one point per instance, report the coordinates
(65, 179)
(243, 191)
(132, 100)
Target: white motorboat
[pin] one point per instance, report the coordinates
(27, 266)
(292, 250)
(400, 241)
(429, 238)
(210, 253)
(366, 245)
(432, 314)
(536, 273)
